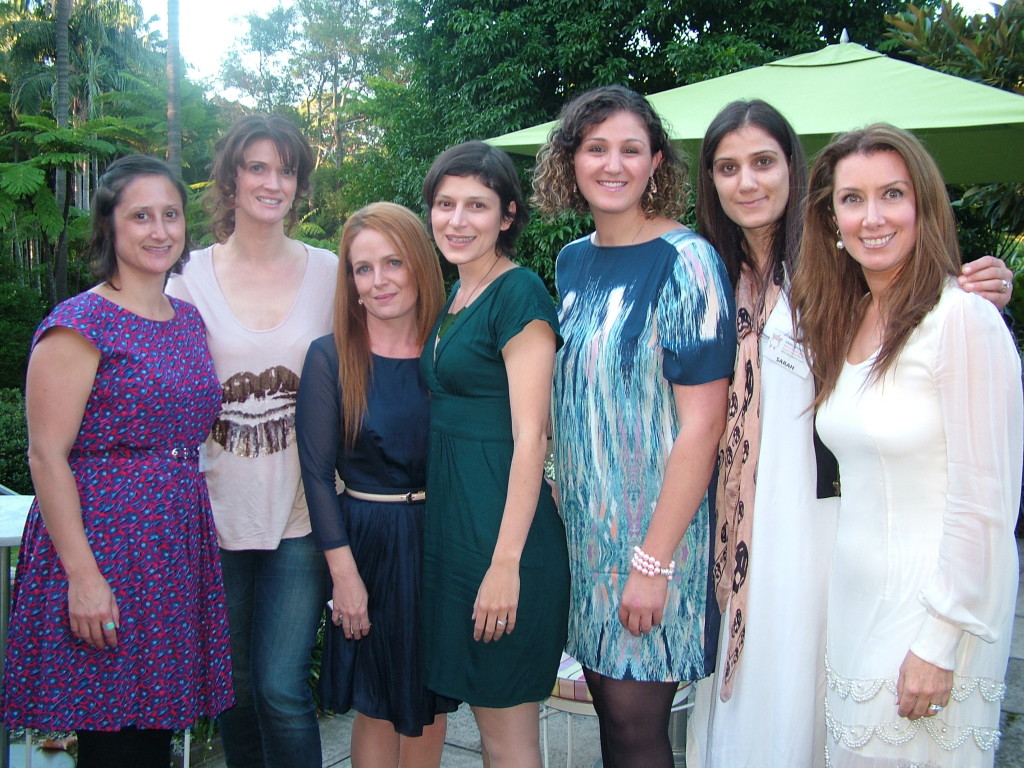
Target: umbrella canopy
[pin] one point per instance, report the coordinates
(974, 131)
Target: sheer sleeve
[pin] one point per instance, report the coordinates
(978, 377)
(318, 430)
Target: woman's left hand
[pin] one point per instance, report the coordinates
(920, 685)
(988, 277)
(494, 611)
(643, 602)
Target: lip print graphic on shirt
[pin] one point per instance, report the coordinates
(258, 417)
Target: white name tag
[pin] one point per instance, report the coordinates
(783, 349)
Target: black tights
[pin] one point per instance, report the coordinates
(127, 748)
(633, 719)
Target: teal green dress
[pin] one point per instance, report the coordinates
(467, 481)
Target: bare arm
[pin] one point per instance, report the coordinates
(688, 471)
(529, 362)
(61, 373)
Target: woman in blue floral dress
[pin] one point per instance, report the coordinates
(119, 628)
(639, 405)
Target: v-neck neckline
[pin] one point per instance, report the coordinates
(462, 314)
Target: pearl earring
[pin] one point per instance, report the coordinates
(839, 242)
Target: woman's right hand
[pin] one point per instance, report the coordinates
(642, 605)
(351, 601)
(92, 609)
(922, 686)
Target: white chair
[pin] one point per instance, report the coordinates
(571, 695)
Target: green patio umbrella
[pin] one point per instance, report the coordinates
(974, 131)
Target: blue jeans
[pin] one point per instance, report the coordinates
(275, 600)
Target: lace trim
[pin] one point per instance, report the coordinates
(992, 691)
(901, 731)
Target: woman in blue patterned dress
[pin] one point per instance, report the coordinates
(119, 628)
(639, 406)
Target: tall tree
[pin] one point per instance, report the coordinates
(271, 39)
(63, 176)
(173, 88)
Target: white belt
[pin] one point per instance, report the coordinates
(392, 498)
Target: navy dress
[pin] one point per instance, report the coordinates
(378, 675)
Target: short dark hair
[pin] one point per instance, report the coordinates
(714, 224)
(291, 145)
(554, 177)
(495, 170)
(102, 252)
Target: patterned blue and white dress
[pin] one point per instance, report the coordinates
(636, 320)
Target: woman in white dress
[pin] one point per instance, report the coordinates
(764, 706)
(919, 396)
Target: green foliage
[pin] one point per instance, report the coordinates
(716, 55)
(14, 442)
(21, 310)
(543, 238)
(985, 48)
(21, 179)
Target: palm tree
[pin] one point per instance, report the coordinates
(173, 88)
(62, 177)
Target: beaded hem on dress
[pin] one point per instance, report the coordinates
(947, 736)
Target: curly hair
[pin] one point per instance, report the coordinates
(102, 253)
(554, 177)
(291, 145)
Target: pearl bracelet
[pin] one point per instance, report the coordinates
(649, 566)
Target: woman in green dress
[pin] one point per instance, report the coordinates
(496, 575)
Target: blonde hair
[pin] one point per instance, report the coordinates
(829, 289)
(351, 337)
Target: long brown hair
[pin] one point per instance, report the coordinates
(291, 145)
(829, 289)
(712, 220)
(351, 338)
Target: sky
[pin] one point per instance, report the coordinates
(209, 27)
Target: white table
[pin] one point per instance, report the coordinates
(13, 511)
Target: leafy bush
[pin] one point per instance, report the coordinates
(21, 310)
(14, 442)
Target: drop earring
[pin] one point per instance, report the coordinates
(840, 245)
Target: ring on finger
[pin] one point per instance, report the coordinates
(934, 708)
(1004, 286)
(501, 623)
